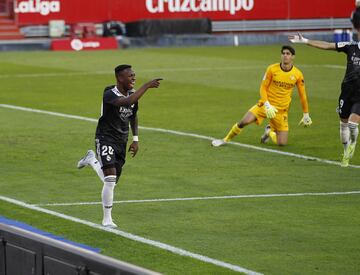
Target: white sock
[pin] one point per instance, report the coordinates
(344, 134)
(354, 131)
(107, 196)
(95, 164)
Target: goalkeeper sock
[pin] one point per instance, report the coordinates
(344, 134)
(273, 137)
(354, 131)
(107, 196)
(235, 130)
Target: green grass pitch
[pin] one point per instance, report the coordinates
(204, 92)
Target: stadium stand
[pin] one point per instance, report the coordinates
(280, 25)
(8, 29)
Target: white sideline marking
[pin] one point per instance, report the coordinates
(77, 73)
(184, 134)
(207, 198)
(130, 236)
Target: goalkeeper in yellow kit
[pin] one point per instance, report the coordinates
(275, 92)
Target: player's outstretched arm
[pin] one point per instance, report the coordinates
(299, 39)
(132, 99)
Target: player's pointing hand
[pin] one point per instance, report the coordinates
(155, 83)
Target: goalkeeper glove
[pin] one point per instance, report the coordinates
(298, 39)
(306, 120)
(270, 110)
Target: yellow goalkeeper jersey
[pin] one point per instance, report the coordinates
(277, 87)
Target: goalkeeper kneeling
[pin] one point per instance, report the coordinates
(275, 92)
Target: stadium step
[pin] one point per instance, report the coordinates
(8, 29)
(11, 36)
(6, 21)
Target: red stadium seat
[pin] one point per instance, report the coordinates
(89, 30)
(77, 31)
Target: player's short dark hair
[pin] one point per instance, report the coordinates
(287, 47)
(120, 68)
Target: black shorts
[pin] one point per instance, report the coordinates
(349, 100)
(111, 154)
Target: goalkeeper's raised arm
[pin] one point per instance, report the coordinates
(299, 39)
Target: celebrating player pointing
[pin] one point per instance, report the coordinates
(275, 97)
(119, 109)
(349, 100)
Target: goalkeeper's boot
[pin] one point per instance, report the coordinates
(265, 137)
(108, 223)
(86, 159)
(218, 142)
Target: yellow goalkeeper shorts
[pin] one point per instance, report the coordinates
(278, 123)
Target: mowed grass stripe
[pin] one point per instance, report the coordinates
(193, 69)
(311, 158)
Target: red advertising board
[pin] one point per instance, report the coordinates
(30, 12)
(83, 44)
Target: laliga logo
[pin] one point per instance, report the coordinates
(37, 6)
(232, 6)
(78, 45)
